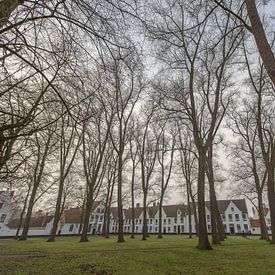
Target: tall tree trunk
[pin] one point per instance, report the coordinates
(195, 212)
(120, 237)
(264, 232)
(133, 203)
(22, 212)
(89, 205)
(260, 37)
(133, 216)
(189, 211)
(24, 234)
(109, 206)
(216, 221)
(145, 226)
(57, 210)
(203, 236)
(160, 218)
(82, 216)
(213, 210)
(271, 198)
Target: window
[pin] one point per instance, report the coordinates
(208, 218)
(230, 217)
(182, 228)
(98, 210)
(156, 221)
(164, 221)
(223, 217)
(169, 221)
(237, 217)
(151, 220)
(244, 216)
(136, 228)
(225, 227)
(101, 218)
(245, 227)
(139, 221)
(169, 228)
(71, 228)
(175, 220)
(181, 219)
(209, 227)
(239, 228)
(1, 205)
(3, 217)
(150, 229)
(232, 209)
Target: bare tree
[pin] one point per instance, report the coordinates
(128, 86)
(69, 141)
(257, 29)
(40, 162)
(249, 169)
(200, 82)
(165, 157)
(147, 150)
(264, 90)
(188, 158)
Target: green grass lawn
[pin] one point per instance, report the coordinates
(170, 255)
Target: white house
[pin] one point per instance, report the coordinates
(40, 225)
(72, 219)
(255, 221)
(175, 219)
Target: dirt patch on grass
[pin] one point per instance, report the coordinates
(94, 269)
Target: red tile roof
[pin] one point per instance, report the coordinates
(255, 223)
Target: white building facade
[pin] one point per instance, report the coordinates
(175, 220)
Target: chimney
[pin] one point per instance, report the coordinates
(137, 205)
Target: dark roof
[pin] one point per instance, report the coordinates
(95, 205)
(241, 205)
(152, 211)
(223, 204)
(72, 215)
(114, 212)
(127, 213)
(171, 210)
(35, 222)
(138, 211)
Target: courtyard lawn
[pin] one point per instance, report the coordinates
(170, 255)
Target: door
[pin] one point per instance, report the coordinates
(232, 230)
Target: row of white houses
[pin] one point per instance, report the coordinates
(175, 219)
